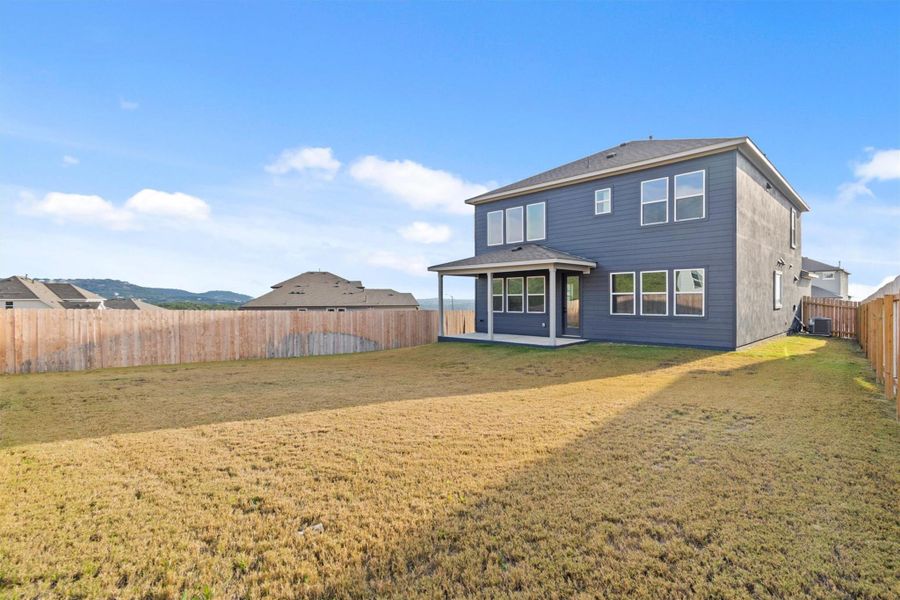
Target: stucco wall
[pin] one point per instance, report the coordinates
(764, 237)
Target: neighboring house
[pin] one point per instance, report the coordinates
(688, 242)
(130, 304)
(829, 281)
(320, 290)
(22, 292)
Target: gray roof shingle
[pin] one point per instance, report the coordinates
(518, 254)
(320, 289)
(814, 266)
(618, 156)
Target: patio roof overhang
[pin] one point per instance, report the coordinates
(527, 257)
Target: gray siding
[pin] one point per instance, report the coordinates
(617, 242)
(764, 237)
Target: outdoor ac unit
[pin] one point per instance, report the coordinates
(820, 326)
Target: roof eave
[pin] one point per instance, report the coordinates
(745, 143)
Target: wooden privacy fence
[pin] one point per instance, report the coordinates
(843, 314)
(879, 336)
(35, 340)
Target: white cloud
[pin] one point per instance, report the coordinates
(319, 161)
(164, 204)
(425, 233)
(70, 160)
(411, 265)
(416, 184)
(883, 166)
(128, 104)
(80, 208)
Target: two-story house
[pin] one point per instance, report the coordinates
(830, 281)
(690, 242)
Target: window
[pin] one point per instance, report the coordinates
(828, 275)
(495, 228)
(621, 293)
(342, 310)
(655, 201)
(793, 227)
(777, 289)
(329, 310)
(536, 226)
(655, 293)
(9, 304)
(690, 196)
(301, 310)
(603, 201)
(515, 294)
(497, 294)
(514, 224)
(690, 289)
(536, 294)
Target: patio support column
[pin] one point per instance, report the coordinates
(490, 305)
(440, 305)
(551, 290)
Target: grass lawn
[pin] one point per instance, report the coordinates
(456, 470)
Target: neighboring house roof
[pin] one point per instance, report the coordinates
(22, 288)
(815, 266)
(54, 295)
(518, 256)
(820, 292)
(130, 304)
(317, 289)
(70, 291)
(641, 154)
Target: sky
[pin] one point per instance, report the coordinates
(233, 145)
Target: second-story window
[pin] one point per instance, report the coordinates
(655, 201)
(514, 225)
(495, 228)
(536, 221)
(603, 201)
(690, 196)
(793, 227)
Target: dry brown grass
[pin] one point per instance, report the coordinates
(456, 470)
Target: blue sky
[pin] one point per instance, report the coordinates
(231, 146)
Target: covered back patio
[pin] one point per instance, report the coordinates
(522, 260)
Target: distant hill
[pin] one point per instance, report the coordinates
(112, 288)
(457, 304)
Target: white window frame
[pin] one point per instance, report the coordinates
(633, 293)
(523, 294)
(597, 201)
(529, 295)
(521, 210)
(502, 227)
(777, 289)
(502, 294)
(666, 292)
(793, 227)
(702, 195)
(676, 292)
(543, 206)
(665, 200)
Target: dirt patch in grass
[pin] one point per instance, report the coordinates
(455, 470)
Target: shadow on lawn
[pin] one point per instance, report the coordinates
(50, 407)
(701, 490)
